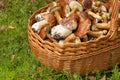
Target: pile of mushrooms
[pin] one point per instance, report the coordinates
(73, 21)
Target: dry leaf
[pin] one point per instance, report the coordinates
(91, 78)
(12, 58)
(11, 27)
(103, 78)
(2, 28)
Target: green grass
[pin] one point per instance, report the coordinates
(16, 60)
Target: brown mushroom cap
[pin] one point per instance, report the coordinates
(70, 22)
(87, 4)
(83, 28)
(83, 16)
(51, 19)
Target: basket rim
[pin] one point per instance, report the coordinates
(106, 37)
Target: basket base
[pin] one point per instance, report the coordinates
(103, 61)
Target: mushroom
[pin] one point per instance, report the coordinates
(94, 15)
(76, 5)
(98, 3)
(97, 33)
(87, 4)
(60, 32)
(56, 11)
(106, 5)
(103, 25)
(105, 17)
(94, 8)
(103, 8)
(72, 11)
(68, 5)
(94, 28)
(70, 38)
(49, 19)
(83, 16)
(77, 40)
(85, 38)
(61, 42)
(44, 31)
(36, 27)
(67, 10)
(84, 25)
(70, 22)
(50, 38)
(64, 6)
(40, 17)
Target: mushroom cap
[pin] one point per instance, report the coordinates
(70, 22)
(83, 28)
(77, 4)
(83, 16)
(87, 4)
(59, 32)
(50, 18)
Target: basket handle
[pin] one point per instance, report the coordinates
(114, 20)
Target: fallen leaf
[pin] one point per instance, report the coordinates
(12, 58)
(2, 28)
(103, 78)
(11, 27)
(91, 78)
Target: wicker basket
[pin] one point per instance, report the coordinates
(85, 57)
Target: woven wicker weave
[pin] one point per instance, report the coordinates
(85, 57)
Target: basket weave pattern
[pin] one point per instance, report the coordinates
(85, 57)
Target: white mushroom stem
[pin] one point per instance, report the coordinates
(94, 15)
(97, 33)
(60, 32)
(36, 27)
(70, 38)
(103, 25)
(61, 42)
